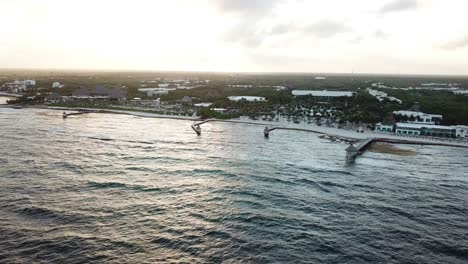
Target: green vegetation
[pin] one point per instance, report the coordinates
(360, 108)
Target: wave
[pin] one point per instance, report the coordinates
(44, 213)
(118, 185)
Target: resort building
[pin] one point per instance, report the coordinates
(383, 95)
(385, 127)
(25, 82)
(323, 95)
(461, 131)
(419, 117)
(247, 98)
(412, 129)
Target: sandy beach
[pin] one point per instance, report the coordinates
(282, 123)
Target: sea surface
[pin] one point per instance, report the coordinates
(105, 188)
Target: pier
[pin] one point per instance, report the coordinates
(354, 151)
(196, 127)
(65, 114)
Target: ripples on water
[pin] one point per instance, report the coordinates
(120, 189)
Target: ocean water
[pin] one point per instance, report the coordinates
(104, 188)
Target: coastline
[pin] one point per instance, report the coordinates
(345, 135)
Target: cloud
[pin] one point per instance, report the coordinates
(251, 7)
(399, 5)
(251, 13)
(379, 34)
(457, 44)
(327, 28)
(244, 33)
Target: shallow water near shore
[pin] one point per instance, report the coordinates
(109, 188)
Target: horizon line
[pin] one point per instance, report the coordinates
(228, 72)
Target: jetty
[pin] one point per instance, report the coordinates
(354, 151)
(196, 127)
(65, 114)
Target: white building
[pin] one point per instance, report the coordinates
(382, 127)
(57, 85)
(203, 104)
(155, 91)
(25, 82)
(460, 92)
(29, 82)
(323, 94)
(247, 98)
(241, 85)
(383, 95)
(219, 110)
(422, 118)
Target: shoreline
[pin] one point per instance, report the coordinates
(345, 135)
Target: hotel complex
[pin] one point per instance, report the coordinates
(422, 124)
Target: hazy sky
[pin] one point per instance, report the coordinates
(367, 36)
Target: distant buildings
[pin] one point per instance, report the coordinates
(383, 95)
(56, 85)
(186, 100)
(247, 98)
(241, 85)
(203, 104)
(460, 92)
(100, 92)
(17, 86)
(156, 91)
(26, 82)
(323, 95)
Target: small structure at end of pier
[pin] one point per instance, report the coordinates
(353, 151)
(197, 129)
(266, 132)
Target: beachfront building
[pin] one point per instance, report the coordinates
(247, 98)
(461, 131)
(419, 117)
(385, 127)
(412, 129)
(323, 95)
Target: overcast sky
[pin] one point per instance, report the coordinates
(340, 36)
